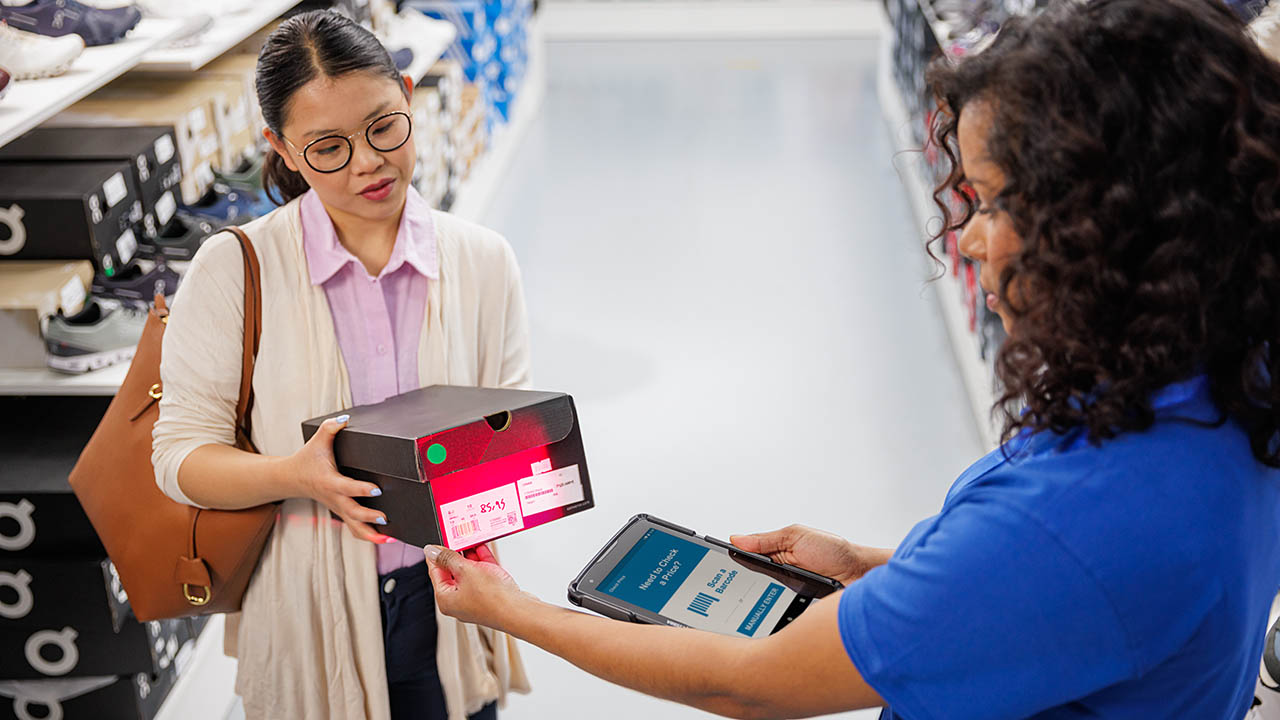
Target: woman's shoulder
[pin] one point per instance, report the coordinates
(278, 228)
(470, 242)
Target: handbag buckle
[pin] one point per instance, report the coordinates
(155, 392)
(196, 599)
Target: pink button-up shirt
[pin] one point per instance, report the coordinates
(378, 320)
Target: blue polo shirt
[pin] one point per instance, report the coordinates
(1130, 580)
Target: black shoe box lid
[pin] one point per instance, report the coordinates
(151, 151)
(460, 466)
(69, 211)
(39, 515)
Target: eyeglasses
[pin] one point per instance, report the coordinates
(331, 153)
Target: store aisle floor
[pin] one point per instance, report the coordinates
(721, 267)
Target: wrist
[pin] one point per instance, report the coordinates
(285, 479)
(520, 614)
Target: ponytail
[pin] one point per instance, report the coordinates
(281, 183)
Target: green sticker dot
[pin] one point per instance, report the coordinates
(436, 454)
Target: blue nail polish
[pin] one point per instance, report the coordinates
(376, 492)
(341, 419)
(381, 521)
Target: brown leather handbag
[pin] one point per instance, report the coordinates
(174, 560)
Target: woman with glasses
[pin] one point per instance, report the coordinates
(1115, 172)
(367, 293)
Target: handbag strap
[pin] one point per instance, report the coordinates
(192, 572)
(252, 336)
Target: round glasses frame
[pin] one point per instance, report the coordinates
(351, 148)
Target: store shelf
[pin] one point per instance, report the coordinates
(206, 687)
(31, 102)
(427, 37)
(227, 32)
(978, 376)
(47, 382)
(479, 189)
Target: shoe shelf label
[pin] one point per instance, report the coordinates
(165, 148)
(115, 189)
(166, 206)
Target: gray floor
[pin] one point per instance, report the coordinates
(721, 268)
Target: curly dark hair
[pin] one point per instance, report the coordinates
(1141, 144)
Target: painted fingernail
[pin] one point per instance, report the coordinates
(432, 552)
(381, 521)
(376, 492)
(341, 419)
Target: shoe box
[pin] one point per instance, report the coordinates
(152, 152)
(460, 466)
(62, 618)
(192, 118)
(134, 697)
(228, 99)
(240, 68)
(39, 516)
(30, 291)
(69, 211)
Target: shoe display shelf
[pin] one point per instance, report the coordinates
(31, 102)
(227, 31)
(478, 190)
(977, 373)
(428, 38)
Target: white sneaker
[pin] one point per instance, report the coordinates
(28, 56)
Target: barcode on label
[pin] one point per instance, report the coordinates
(465, 528)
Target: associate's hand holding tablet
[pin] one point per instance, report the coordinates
(768, 603)
(659, 573)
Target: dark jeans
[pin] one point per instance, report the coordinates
(409, 636)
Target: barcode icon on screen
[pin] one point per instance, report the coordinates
(465, 528)
(702, 603)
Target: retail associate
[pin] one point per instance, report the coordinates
(1117, 170)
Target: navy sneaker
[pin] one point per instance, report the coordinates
(135, 287)
(403, 58)
(226, 205)
(56, 18)
(180, 238)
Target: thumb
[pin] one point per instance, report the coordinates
(331, 427)
(444, 558)
(763, 543)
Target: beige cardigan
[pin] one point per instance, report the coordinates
(309, 636)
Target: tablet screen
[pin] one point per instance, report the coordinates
(698, 586)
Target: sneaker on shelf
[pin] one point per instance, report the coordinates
(246, 177)
(226, 204)
(192, 33)
(56, 18)
(28, 56)
(403, 58)
(102, 334)
(135, 286)
(180, 238)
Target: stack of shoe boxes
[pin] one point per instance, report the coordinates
(193, 118)
(150, 151)
(439, 93)
(505, 71)
(71, 648)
